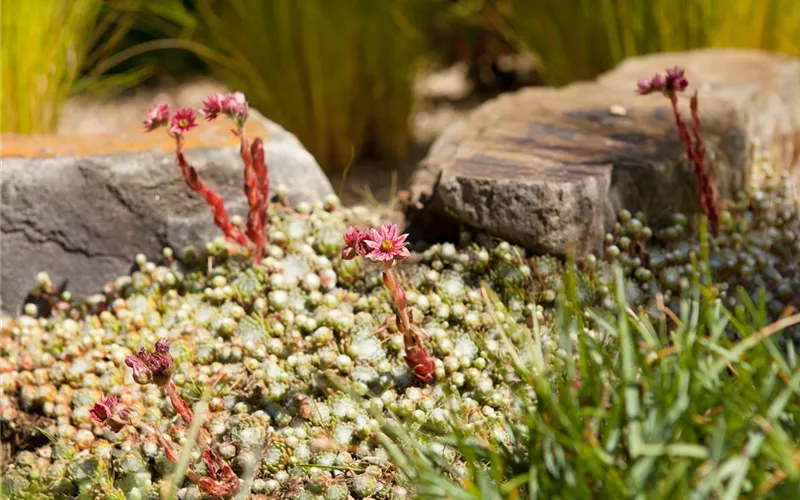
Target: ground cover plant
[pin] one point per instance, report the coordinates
(346, 364)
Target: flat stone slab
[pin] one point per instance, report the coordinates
(81, 207)
(549, 168)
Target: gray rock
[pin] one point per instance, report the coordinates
(84, 218)
(550, 168)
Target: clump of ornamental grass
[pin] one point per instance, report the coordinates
(578, 40)
(50, 49)
(256, 174)
(650, 406)
(344, 88)
(44, 46)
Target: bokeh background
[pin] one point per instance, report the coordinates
(348, 77)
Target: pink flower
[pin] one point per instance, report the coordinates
(354, 243)
(156, 117)
(153, 367)
(105, 412)
(658, 83)
(655, 84)
(676, 81)
(236, 107)
(385, 244)
(352, 236)
(213, 106)
(183, 121)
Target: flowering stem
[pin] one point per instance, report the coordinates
(262, 174)
(418, 358)
(706, 192)
(398, 295)
(221, 216)
(253, 194)
(182, 408)
(696, 155)
(167, 447)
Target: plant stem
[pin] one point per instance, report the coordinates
(221, 216)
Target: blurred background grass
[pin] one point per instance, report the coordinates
(339, 74)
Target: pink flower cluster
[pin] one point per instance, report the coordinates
(155, 367)
(105, 412)
(674, 81)
(234, 106)
(182, 121)
(378, 245)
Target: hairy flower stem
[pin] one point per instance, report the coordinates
(696, 155)
(256, 188)
(262, 174)
(706, 191)
(183, 409)
(418, 358)
(221, 216)
(165, 444)
(220, 483)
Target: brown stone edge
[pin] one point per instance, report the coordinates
(215, 134)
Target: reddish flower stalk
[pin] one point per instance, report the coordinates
(387, 247)
(262, 174)
(675, 82)
(707, 201)
(256, 187)
(221, 216)
(157, 367)
(256, 175)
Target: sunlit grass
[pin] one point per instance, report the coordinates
(336, 74)
(578, 39)
(43, 48)
(653, 405)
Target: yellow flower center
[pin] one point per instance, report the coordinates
(183, 123)
(387, 246)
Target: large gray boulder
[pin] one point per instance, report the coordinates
(550, 168)
(82, 218)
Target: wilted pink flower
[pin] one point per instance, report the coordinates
(655, 84)
(183, 121)
(676, 81)
(236, 107)
(105, 412)
(104, 409)
(156, 117)
(352, 236)
(385, 244)
(153, 367)
(354, 243)
(213, 106)
(643, 86)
